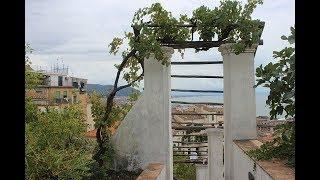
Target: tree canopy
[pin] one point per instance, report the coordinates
(32, 79)
(279, 77)
(55, 145)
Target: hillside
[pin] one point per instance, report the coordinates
(103, 89)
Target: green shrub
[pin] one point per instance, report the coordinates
(55, 145)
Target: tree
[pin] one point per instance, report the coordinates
(154, 26)
(118, 114)
(32, 79)
(280, 78)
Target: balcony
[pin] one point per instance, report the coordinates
(62, 100)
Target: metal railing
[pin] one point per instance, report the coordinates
(192, 140)
(196, 62)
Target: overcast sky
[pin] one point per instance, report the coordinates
(78, 33)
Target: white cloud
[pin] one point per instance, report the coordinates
(79, 31)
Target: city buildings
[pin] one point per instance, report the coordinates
(57, 89)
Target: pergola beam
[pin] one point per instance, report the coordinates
(197, 44)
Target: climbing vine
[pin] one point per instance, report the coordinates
(154, 27)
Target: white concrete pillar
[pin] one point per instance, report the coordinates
(157, 89)
(215, 153)
(239, 100)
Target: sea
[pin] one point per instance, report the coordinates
(261, 97)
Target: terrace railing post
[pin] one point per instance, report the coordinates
(215, 153)
(239, 100)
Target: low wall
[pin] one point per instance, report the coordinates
(261, 170)
(202, 172)
(154, 171)
(145, 134)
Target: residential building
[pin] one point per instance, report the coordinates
(58, 89)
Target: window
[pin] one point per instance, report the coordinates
(59, 80)
(57, 95)
(65, 94)
(82, 86)
(75, 84)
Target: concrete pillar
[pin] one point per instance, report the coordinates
(157, 90)
(215, 153)
(239, 100)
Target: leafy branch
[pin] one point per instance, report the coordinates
(280, 78)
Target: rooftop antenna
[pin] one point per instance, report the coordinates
(57, 66)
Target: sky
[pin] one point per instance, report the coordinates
(77, 33)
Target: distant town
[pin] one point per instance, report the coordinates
(58, 89)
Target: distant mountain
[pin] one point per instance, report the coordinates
(105, 89)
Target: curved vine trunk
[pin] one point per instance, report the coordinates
(101, 133)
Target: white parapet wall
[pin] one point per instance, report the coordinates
(145, 134)
(243, 165)
(202, 172)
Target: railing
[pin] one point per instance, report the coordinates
(61, 100)
(196, 62)
(197, 76)
(201, 147)
(200, 114)
(193, 90)
(207, 103)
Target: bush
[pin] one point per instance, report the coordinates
(55, 145)
(183, 171)
(282, 147)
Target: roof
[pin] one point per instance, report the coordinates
(266, 137)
